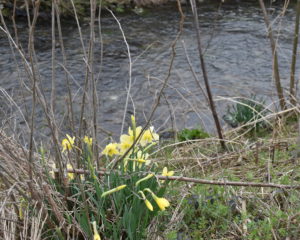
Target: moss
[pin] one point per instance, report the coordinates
(192, 134)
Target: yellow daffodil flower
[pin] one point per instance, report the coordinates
(113, 190)
(162, 203)
(88, 141)
(51, 172)
(150, 175)
(149, 136)
(147, 202)
(126, 140)
(68, 143)
(96, 234)
(23, 204)
(137, 132)
(166, 173)
(125, 143)
(111, 149)
(141, 158)
(70, 175)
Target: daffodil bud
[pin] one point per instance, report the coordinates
(147, 202)
(113, 190)
(96, 234)
(150, 175)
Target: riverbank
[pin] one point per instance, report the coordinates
(250, 191)
(67, 9)
(83, 7)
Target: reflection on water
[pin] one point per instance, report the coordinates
(237, 55)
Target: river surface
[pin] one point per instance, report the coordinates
(237, 55)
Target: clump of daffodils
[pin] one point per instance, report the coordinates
(68, 144)
(133, 148)
(126, 187)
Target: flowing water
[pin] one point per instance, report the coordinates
(237, 55)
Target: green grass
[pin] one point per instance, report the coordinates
(225, 212)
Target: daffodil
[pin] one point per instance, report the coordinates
(88, 141)
(142, 158)
(148, 137)
(51, 172)
(133, 120)
(125, 143)
(23, 204)
(166, 173)
(111, 149)
(68, 143)
(126, 140)
(96, 234)
(162, 203)
(70, 175)
(134, 133)
(146, 201)
(133, 123)
(148, 204)
(116, 189)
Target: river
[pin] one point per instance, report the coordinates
(237, 55)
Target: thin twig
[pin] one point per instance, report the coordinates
(31, 59)
(130, 69)
(294, 55)
(201, 181)
(275, 57)
(205, 77)
(61, 42)
(53, 74)
(157, 102)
